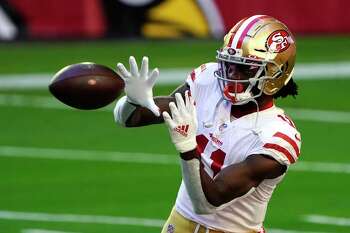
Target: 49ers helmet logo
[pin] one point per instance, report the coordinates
(278, 41)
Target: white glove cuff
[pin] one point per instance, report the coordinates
(185, 146)
(123, 110)
(191, 177)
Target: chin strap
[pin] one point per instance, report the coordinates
(257, 113)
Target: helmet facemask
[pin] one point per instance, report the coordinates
(242, 79)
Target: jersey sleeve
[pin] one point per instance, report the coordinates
(191, 79)
(201, 77)
(281, 144)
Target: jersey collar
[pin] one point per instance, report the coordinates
(238, 111)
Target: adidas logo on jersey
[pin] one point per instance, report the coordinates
(182, 129)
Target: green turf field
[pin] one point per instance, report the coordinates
(102, 187)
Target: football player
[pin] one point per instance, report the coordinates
(235, 145)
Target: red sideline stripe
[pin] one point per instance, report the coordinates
(280, 149)
(245, 31)
(289, 140)
(193, 75)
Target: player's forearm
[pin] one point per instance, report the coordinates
(131, 115)
(193, 175)
(216, 191)
(182, 125)
(208, 186)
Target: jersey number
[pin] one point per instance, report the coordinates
(287, 119)
(217, 156)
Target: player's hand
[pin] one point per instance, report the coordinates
(182, 123)
(139, 84)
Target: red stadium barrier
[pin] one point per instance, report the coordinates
(61, 19)
(51, 19)
(301, 16)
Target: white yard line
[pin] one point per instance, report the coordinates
(318, 115)
(327, 220)
(31, 101)
(96, 219)
(290, 231)
(144, 158)
(339, 70)
(317, 71)
(43, 231)
(77, 218)
(51, 103)
(321, 167)
(87, 155)
(269, 231)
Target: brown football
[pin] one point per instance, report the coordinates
(86, 85)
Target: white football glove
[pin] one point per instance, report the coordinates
(183, 123)
(138, 85)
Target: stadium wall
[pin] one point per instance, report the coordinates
(52, 19)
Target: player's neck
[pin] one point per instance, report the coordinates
(264, 102)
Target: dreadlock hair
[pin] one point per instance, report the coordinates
(290, 89)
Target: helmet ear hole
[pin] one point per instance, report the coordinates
(284, 67)
(272, 70)
(270, 87)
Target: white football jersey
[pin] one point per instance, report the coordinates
(224, 141)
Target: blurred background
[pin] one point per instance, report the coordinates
(70, 171)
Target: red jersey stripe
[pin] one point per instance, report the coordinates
(280, 149)
(218, 158)
(193, 75)
(289, 140)
(202, 142)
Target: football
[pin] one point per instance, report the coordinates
(86, 85)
